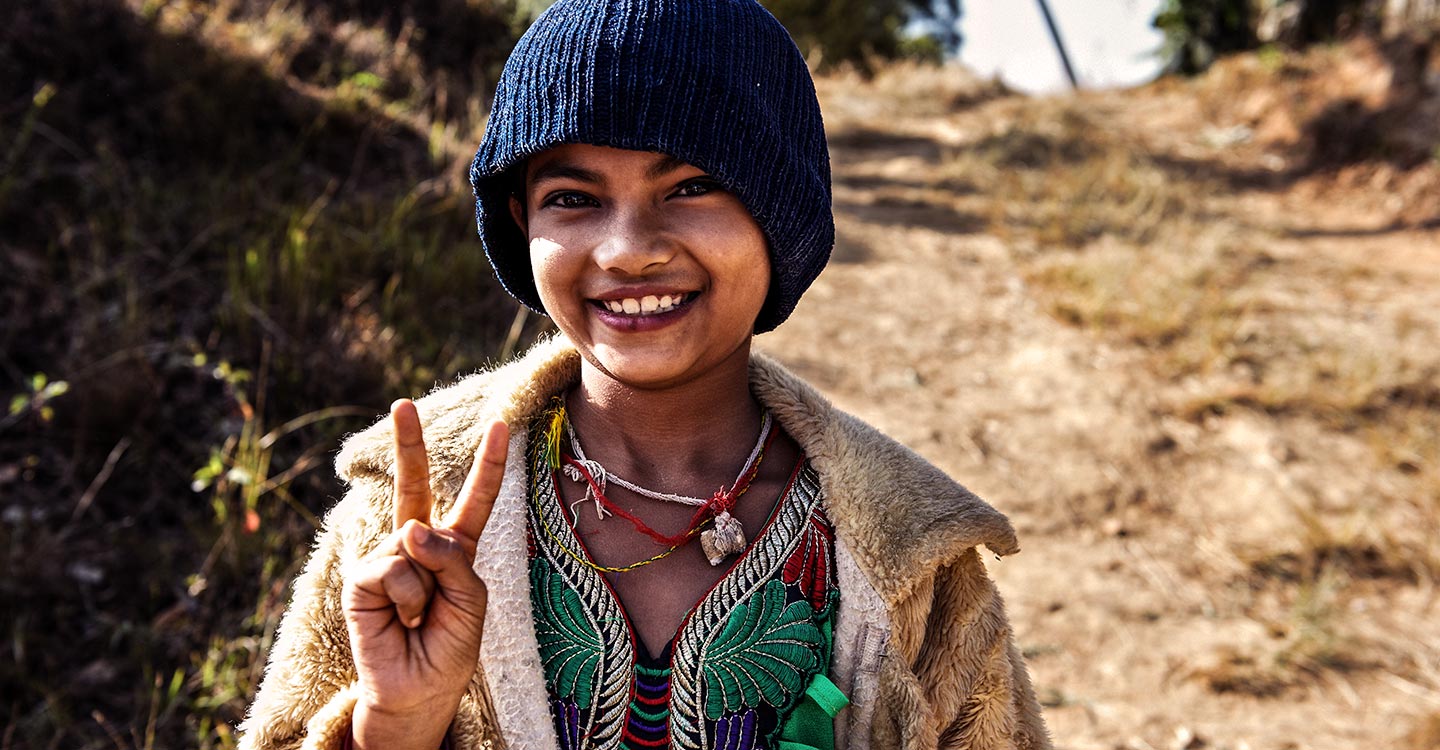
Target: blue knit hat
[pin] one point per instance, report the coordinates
(716, 83)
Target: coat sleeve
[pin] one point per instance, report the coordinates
(964, 683)
(307, 696)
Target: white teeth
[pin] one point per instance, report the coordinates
(645, 305)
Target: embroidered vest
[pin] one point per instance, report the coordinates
(747, 669)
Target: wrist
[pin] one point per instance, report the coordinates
(422, 727)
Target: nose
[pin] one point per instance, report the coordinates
(636, 241)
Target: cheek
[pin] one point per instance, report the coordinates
(548, 264)
(756, 274)
(753, 264)
(746, 272)
(738, 245)
(556, 272)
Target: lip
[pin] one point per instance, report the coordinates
(641, 323)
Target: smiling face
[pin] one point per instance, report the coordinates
(647, 264)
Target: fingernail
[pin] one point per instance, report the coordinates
(414, 622)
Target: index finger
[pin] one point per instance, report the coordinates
(412, 465)
(477, 498)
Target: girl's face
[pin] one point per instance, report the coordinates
(648, 265)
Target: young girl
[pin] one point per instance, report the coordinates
(547, 562)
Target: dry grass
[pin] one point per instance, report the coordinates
(1252, 332)
(1128, 233)
(1058, 177)
(1124, 248)
(1185, 306)
(222, 221)
(915, 88)
(196, 302)
(1147, 250)
(1311, 644)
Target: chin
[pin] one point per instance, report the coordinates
(647, 370)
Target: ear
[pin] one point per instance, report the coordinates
(517, 212)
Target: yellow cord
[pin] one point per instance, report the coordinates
(539, 512)
(553, 435)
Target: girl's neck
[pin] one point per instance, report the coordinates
(699, 431)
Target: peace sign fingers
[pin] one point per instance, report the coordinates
(412, 465)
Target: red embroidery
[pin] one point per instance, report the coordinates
(809, 565)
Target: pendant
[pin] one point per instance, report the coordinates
(722, 540)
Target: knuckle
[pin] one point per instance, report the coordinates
(397, 569)
(369, 568)
(454, 548)
(412, 485)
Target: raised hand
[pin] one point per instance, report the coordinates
(414, 607)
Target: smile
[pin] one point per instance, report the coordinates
(650, 304)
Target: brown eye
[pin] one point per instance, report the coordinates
(568, 199)
(699, 186)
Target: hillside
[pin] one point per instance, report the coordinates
(1185, 335)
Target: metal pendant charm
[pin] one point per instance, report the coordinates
(724, 539)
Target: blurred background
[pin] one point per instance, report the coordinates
(1185, 333)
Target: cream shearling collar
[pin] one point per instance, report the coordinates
(876, 490)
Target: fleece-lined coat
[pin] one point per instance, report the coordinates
(922, 645)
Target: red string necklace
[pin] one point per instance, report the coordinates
(722, 502)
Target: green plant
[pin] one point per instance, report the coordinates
(1271, 58)
(238, 472)
(40, 392)
(21, 140)
(1198, 31)
(232, 203)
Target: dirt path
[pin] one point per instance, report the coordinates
(1166, 596)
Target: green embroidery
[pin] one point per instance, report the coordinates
(656, 716)
(661, 713)
(741, 663)
(570, 647)
(766, 651)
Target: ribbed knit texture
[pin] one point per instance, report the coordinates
(716, 83)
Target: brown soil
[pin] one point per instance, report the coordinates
(1228, 514)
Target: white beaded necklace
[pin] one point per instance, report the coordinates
(601, 475)
(725, 538)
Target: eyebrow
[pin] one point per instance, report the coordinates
(561, 171)
(564, 170)
(665, 166)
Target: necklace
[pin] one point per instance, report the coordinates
(583, 560)
(601, 475)
(726, 536)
